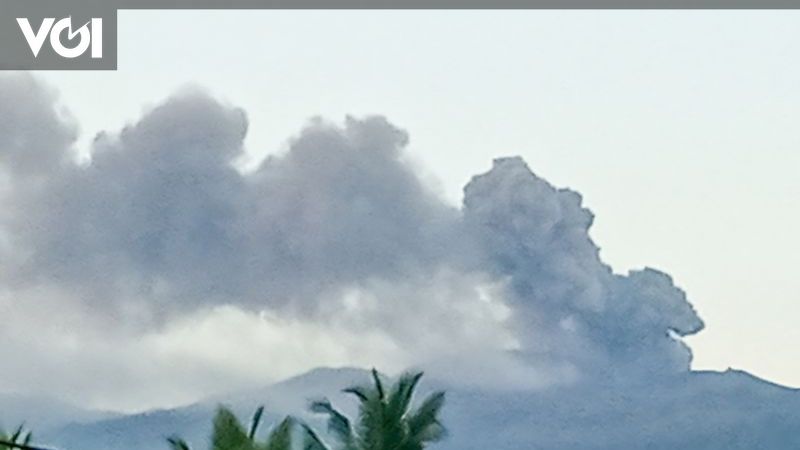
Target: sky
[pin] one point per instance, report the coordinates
(677, 128)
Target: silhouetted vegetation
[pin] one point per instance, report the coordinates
(18, 440)
(230, 434)
(385, 422)
(385, 419)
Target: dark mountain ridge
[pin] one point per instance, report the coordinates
(696, 410)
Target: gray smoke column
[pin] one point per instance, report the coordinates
(569, 304)
(160, 224)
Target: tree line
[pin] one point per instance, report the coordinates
(385, 421)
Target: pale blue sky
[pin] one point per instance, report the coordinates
(679, 128)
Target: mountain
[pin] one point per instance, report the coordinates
(698, 410)
(40, 412)
(149, 430)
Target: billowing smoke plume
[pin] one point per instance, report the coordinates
(568, 303)
(159, 225)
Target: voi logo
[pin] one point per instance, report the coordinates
(90, 36)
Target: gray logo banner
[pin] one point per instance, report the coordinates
(58, 35)
(82, 34)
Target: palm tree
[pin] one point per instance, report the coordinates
(18, 440)
(385, 419)
(229, 434)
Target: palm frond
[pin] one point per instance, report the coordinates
(402, 393)
(229, 434)
(176, 443)
(310, 439)
(373, 428)
(359, 391)
(7, 444)
(423, 423)
(338, 424)
(255, 422)
(18, 440)
(281, 437)
(17, 433)
(378, 384)
(385, 420)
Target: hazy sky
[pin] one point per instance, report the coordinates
(679, 128)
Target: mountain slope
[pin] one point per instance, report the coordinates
(699, 410)
(40, 412)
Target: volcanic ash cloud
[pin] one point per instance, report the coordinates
(339, 231)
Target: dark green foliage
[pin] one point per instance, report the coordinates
(338, 424)
(255, 422)
(176, 443)
(281, 436)
(311, 440)
(385, 419)
(18, 440)
(229, 434)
